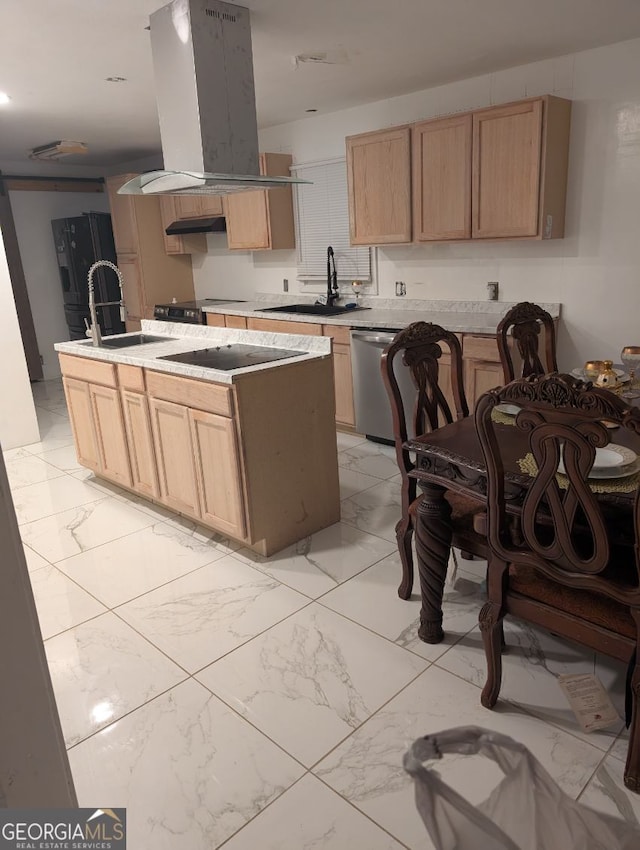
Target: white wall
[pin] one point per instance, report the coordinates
(18, 423)
(33, 213)
(593, 271)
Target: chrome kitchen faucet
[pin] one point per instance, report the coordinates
(94, 330)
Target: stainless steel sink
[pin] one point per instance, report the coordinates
(312, 309)
(133, 339)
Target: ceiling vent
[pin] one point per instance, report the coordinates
(56, 150)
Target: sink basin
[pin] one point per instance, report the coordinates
(312, 309)
(132, 339)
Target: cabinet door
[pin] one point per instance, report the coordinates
(479, 377)
(442, 179)
(168, 214)
(81, 418)
(132, 286)
(283, 327)
(247, 216)
(343, 381)
(239, 322)
(174, 456)
(379, 178)
(110, 434)
(211, 205)
(506, 170)
(218, 471)
(140, 441)
(123, 215)
(188, 206)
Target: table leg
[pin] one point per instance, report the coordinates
(433, 547)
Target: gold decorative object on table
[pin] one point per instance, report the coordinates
(592, 369)
(607, 377)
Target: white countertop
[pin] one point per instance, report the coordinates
(480, 317)
(184, 337)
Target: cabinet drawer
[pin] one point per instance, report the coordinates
(85, 369)
(480, 348)
(280, 327)
(239, 322)
(200, 395)
(215, 320)
(338, 333)
(130, 378)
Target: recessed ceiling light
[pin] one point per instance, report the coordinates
(4, 98)
(116, 79)
(311, 110)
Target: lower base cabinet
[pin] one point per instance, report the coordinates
(343, 379)
(110, 434)
(81, 418)
(174, 456)
(137, 423)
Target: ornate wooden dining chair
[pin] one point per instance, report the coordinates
(576, 570)
(418, 348)
(524, 322)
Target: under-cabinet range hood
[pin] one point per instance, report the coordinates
(203, 71)
(184, 226)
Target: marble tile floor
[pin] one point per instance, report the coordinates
(229, 699)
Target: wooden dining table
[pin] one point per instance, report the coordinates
(450, 458)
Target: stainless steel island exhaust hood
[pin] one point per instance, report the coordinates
(203, 70)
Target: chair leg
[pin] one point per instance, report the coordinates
(404, 536)
(492, 629)
(632, 767)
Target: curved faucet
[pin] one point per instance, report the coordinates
(94, 330)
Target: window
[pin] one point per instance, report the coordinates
(322, 219)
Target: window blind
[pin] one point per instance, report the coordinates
(322, 219)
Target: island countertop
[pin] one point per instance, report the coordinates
(475, 317)
(184, 337)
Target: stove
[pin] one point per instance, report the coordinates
(188, 311)
(232, 356)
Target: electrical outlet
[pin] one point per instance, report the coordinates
(285, 285)
(401, 287)
(492, 289)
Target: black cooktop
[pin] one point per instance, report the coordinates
(232, 356)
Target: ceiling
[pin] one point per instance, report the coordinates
(55, 65)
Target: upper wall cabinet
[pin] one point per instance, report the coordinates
(262, 220)
(442, 179)
(379, 180)
(496, 173)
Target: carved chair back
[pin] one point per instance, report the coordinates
(565, 534)
(525, 321)
(418, 348)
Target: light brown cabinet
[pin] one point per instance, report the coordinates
(218, 473)
(442, 179)
(199, 447)
(81, 418)
(262, 220)
(482, 367)
(151, 275)
(174, 456)
(379, 185)
(495, 173)
(140, 440)
(187, 243)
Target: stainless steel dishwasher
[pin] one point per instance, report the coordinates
(371, 402)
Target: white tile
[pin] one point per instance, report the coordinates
(201, 616)
(189, 771)
(122, 569)
(370, 459)
(376, 510)
(348, 441)
(102, 670)
(352, 482)
(371, 599)
(530, 669)
(34, 561)
(64, 458)
(606, 793)
(28, 469)
(61, 604)
(79, 529)
(320, 562)
(310, 681)
(367, 767)
(52, 497)
(55, 433)
(309, 816)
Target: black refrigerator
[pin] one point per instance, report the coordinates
(80, 241)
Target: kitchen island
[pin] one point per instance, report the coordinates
(248, 451)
